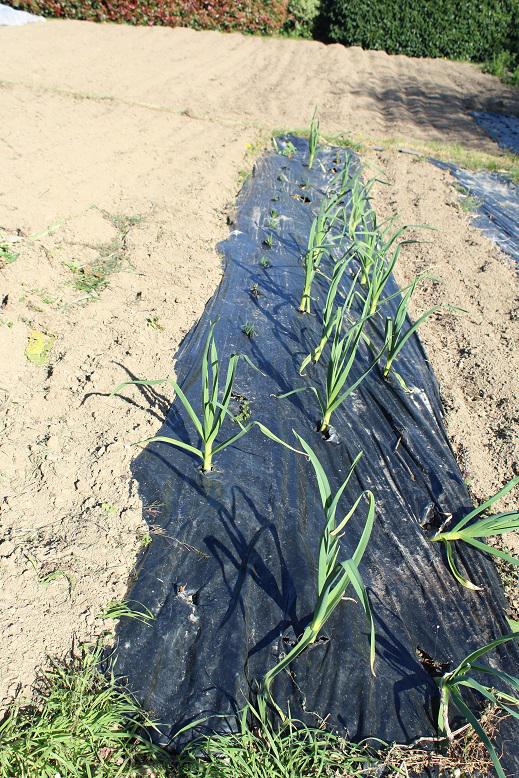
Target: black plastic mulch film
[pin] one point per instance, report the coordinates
(230, 574)
(496, 210)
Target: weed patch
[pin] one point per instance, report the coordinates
(80, 724)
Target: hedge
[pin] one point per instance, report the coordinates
(458, 29)
(252, 16)
(302, 16)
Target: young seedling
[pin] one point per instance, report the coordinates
(330, 313)
(121, 609)
(333, 576)
(500, 524)
(288, 149)
(451, 685)
(313, 140)
(248, 329)
(265, 263)
(7, 256)
(268, 241)
(381, 270)
(342, 181)
(358, 204)
(395, 338)
(214, 406)
(342, 357)
(154, 323)
(301, 198)
(319, 241)
(373, 242)
(273, 220)
(366, 250)
(45, 579)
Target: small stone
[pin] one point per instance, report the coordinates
(53, 443)
(6, 549)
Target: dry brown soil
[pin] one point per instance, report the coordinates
(121, 148)
(474, 353)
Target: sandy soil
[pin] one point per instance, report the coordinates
(474, 355)
(120, 150)
(149, 195)
(262, 82)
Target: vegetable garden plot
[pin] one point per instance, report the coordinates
(501, 128)
(497, 210)
(230, 575)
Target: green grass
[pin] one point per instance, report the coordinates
(118, 609)
(93, 277)
(468, 202)
(292, 751)
(123, 222)
(45, 579)
(154, 323)
(83, 724)
(7, 255)
(244, 410)
(504, 67)
(80, 724)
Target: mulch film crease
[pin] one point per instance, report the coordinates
(230, 573)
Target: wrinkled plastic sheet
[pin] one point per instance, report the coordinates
(501, 128)
(497, 210)
(11, 17)
(230, 573)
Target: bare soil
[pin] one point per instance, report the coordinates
(264, 82)
(120, 151)
(474, 354)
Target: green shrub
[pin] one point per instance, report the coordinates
(503, 66)
(252, 16)
(459, 29)
(302, 15)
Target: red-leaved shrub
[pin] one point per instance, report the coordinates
(253, 16)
